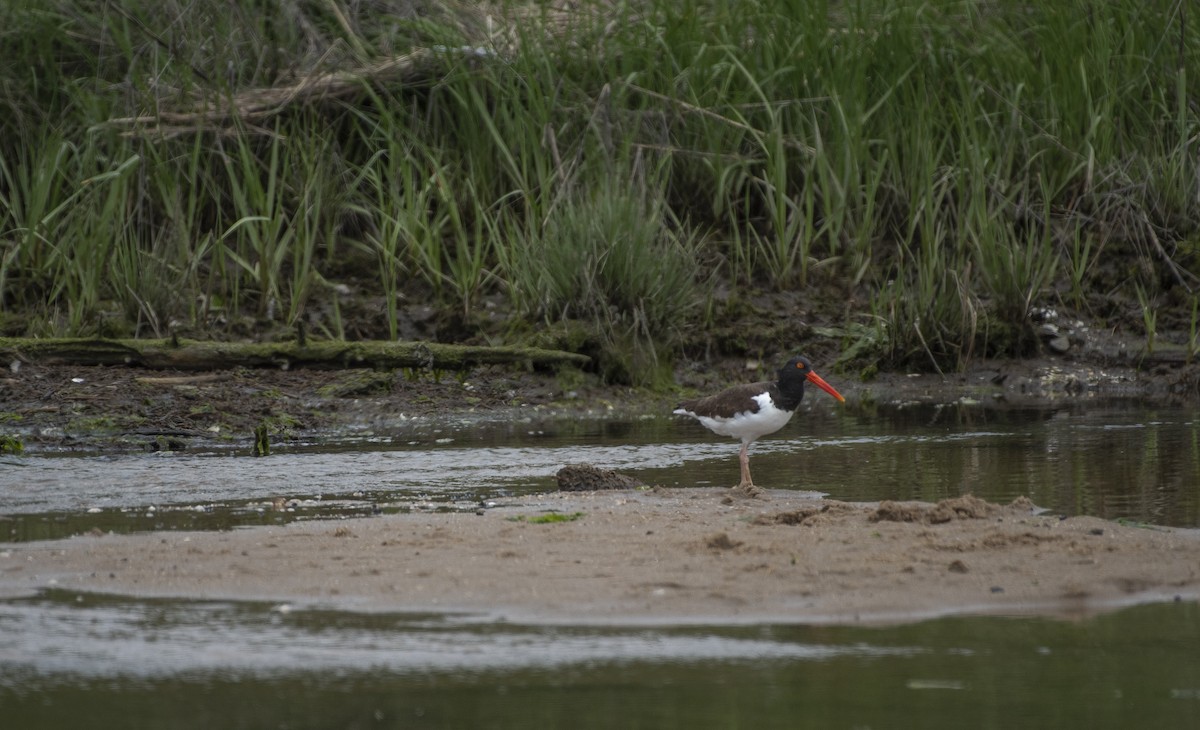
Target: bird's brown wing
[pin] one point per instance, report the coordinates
(731, 401)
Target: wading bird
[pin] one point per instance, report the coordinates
(752, 410)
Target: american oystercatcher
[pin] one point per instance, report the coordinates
(752, 410)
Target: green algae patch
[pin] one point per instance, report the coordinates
(548, 519)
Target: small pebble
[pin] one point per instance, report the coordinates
(1060, 344)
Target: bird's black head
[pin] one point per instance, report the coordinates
(797, 368)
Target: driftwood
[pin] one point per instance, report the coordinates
(198, 355)
(254, 106)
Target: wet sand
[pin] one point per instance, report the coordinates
(662, 556)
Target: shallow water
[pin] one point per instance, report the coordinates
(71, 659)
(107, 662)
(1116, 461)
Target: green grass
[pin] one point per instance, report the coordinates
(1193, 343)
(610, 169)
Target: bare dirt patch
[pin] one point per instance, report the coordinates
(967, 507)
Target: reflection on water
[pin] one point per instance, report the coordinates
(92, 635)
(81, 660)
(1111, 461)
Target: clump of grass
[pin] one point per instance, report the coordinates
(609, 258)
(1149, 313)
(262, 440)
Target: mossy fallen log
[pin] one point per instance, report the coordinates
(202, 355)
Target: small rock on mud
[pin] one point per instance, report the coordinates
(588, 478)
(721, 541)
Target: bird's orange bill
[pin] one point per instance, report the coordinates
(818, 381)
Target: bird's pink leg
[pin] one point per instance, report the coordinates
(744, 460)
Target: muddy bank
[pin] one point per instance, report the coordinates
(116, 408)
(654, 556)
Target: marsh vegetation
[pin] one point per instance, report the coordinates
(620, 179)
